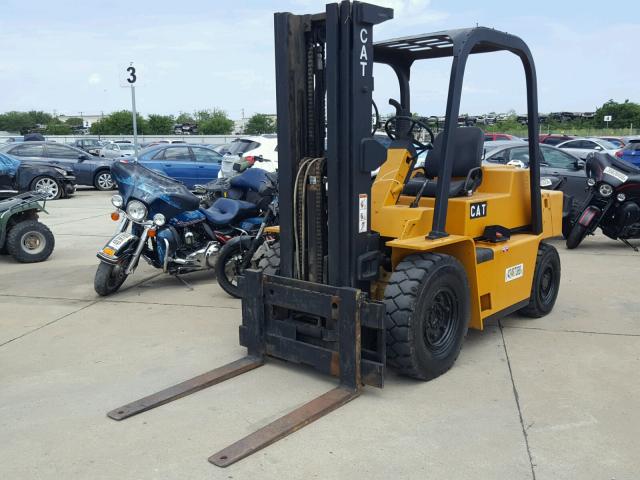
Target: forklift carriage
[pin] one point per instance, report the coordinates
(399, 270)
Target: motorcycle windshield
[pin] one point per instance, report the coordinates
(161, 194)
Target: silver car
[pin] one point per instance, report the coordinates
(581, 147)
(117, 150)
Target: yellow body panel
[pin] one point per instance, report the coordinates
(495, 284)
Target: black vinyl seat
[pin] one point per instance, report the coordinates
(225, 210)
(466, 174)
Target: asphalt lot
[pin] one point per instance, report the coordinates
(552, 398)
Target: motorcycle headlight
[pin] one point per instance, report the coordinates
(591, 182)
(136, 210)
(159, 219)
(117, 201)
(605, 189)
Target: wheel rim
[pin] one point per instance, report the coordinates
(48, 186)
(33, 242)
(547, 284)
(105, 182)
(441, 322)
(231, 269)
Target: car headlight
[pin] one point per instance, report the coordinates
(605, 189)
(136, 210)
(117, 201)
(159, 219)
(591, 182)
(61, 171)
(545, 182)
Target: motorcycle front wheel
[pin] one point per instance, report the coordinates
(109, 278)
(577, 234)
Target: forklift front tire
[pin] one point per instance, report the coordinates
(546, 283)
(427, 303)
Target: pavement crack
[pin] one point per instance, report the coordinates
(517, 399)
(587, 332)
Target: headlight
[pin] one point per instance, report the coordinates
(605, 189)
(61, 171)
(621, 197)
(159, 219)
(591, 182)
(545, 182)
(136, 210)
(117, 201)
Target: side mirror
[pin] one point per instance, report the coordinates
(579, 164)
(598, 148)
(517, 163)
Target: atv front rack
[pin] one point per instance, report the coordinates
(335, 330)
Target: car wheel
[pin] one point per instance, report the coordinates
(103, 181)
(47, 185)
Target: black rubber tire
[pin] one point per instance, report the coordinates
(40, 233)
(267, 258)
(409, 297)
(577, 234)
(568, 221)
(227, 253)
(96, 182)
(108, 280)
(543, 295)
(41, 177)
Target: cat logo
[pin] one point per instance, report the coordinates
(478, 210)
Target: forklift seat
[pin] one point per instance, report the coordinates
(466, 175)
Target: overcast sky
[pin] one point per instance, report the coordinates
(69, 56)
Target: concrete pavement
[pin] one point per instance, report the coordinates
(552, 398)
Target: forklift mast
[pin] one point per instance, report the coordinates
(328, 56)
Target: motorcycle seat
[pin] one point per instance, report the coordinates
(225, 210)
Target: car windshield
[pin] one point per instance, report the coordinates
(607, 145)
(238, 147)
(617, 143)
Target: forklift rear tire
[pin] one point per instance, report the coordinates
(546, 283)
(427, 303)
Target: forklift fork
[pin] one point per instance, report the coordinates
(297, 321)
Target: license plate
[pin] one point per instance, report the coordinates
(616, 174)
(119, 240)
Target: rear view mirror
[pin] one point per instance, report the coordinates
(598, 148)
(579, 164)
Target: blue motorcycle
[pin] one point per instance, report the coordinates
(161, 221)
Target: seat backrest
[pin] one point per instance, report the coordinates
(467, 152)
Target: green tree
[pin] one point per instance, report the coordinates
(259, 124)
(216, 123)
(74, 122)
(119, 123)
(160, 124)
(185, 118)
(58, 128)
(622, 114)
(14, 121)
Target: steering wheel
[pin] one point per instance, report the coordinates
(420, 147)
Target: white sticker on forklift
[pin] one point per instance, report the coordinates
(514, 272)
(362, 212)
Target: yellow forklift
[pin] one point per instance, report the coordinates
(395, 272)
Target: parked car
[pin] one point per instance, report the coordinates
(631, 153)
(118, 150)
(89, 170)
(185, 129)
(617, 141)
(553, 139)
(494, 137)
(555, 163)
(190, 164)
(262, 149)
(89, 145)
(222, 149)
(581, 147)
(18, 176)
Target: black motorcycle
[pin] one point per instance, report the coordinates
(164, 223)
(613, 203)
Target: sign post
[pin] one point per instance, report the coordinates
(131, 79)
(607, 119)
